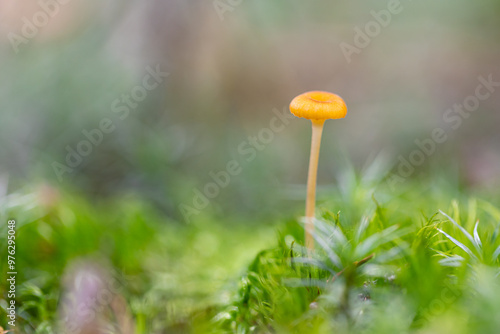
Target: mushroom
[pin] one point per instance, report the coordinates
(317, 106)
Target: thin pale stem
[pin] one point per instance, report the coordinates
(317, 130)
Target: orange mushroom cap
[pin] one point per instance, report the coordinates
(318, 105)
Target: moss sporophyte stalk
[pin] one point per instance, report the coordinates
(317, 106)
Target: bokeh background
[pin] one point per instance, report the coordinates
(232, 67)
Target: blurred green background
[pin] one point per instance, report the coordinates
(225, 78)
(227, 69)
